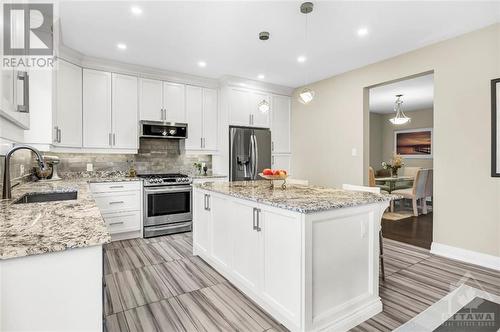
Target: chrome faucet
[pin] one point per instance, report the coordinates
(6, 192)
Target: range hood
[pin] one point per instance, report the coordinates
(163, 129)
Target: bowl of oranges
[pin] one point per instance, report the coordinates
(275, 175)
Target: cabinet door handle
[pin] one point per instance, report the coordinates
(116, 223)
(272, 146)
(258, 229)
(114, 139)
(254, 219)
(59, 134)
(113, 187)
(250, 119)
(272, 160)
(116, 202)
(208, 202)
(56, 139)
(110, 139)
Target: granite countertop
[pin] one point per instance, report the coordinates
(37, 228)
(299, 198)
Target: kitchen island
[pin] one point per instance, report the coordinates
(308, 255)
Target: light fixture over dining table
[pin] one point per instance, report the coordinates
(400, 117)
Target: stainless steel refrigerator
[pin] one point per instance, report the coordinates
(249, 152)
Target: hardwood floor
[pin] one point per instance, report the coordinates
(414, 230)
(158, 285)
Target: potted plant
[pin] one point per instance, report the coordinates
(394, 165)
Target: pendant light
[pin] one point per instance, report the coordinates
(400, 117)
(263, 106)
(306, 95)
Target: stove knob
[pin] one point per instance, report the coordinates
(160, 180)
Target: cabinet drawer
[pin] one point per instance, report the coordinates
(106, 187)
(126, 201)
(123, 222)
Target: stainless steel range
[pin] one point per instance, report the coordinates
(167, 204)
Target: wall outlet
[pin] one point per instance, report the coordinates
(21, 170)
(90, 167)
(354, 152)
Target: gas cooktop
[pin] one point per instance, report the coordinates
(165, 179)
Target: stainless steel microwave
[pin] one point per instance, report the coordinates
(163, 129)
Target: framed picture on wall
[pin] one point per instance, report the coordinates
(413, 143)
(495, 127)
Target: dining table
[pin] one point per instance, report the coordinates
(391, 182)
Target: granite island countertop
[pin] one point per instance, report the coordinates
(299, 198)
(37, 228)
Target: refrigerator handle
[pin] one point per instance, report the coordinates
(231, 144)
(252, 157)
(256, 152)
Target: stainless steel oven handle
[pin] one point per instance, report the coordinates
(173, 189)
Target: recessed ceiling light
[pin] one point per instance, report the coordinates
(136, 10)
(121, 46)
(202, 64)
(261, 76)
(301, 59)
(362, 32)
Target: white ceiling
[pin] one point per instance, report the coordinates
(418, 94)
(175, 35)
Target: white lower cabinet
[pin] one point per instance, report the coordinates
(256, 248)
(221, 225)
(281, 161)
(247, 250)
(203, 217)
(120, 204)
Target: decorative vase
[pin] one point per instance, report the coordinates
(394, 172)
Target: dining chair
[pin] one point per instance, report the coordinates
(375, 190)
(408, 171)
(428, 189)
(416, 192)
(372, 183)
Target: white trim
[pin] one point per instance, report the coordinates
(415, 156)
(467, 256)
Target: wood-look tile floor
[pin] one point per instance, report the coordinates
(158, 285)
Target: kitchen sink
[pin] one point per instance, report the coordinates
(47, 197)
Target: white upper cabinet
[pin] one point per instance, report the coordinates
(280, 128)
(174, 97)
(96, 109)
(201, 113)
(194, 111)
(210, 107)
(239, 111)
(124, 112)
(162, 101)
(151, 99)
(243, 108)
(68, 111)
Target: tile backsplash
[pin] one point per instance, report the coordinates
(154, 156)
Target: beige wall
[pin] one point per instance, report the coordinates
(382, 137)
(467, 199)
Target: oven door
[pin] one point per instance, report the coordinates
(169, 204)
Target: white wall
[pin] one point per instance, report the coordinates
(467, 199)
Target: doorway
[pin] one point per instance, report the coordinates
(400, 155)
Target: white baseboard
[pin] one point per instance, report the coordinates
(467, 256)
